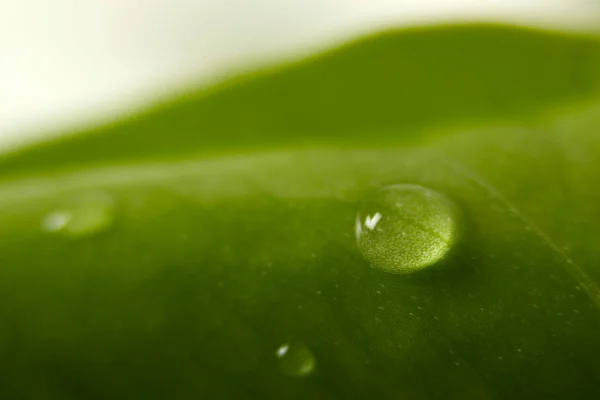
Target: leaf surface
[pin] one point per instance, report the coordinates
(230, 232)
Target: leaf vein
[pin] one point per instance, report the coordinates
(577, 272)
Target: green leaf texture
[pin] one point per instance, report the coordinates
(171, 255)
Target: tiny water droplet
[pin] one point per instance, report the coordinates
(296, 359)
(82, 216)
(406, 239)
(56, 221)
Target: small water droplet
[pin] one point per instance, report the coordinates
(56, 221)
(406, 239)
(82, 216)
(296, 359)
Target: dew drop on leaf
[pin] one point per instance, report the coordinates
(81, 216)
(405, 228)
(295, 359)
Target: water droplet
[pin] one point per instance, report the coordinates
(82, 216)
(407, 238)
(56, 221)
(296, 359)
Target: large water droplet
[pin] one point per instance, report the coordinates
(84, 215)
(406, 228)
(296, 359)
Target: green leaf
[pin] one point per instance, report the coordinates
(396, 88)
(208, 249)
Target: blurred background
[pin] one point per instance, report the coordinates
(66, 64)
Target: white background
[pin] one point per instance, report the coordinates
(68, 63)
